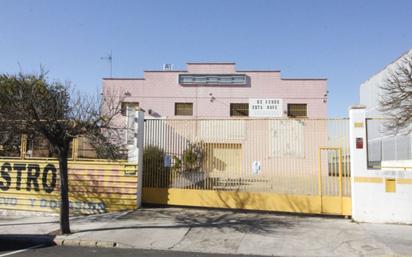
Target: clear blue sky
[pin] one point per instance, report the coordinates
(344, 41)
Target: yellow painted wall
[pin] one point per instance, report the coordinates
(94, 186)
(249, 201)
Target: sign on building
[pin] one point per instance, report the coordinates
(265, 107)
(256, 168)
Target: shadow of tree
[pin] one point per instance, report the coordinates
(28, 223)
(12, 242)
(238, 221)
(93, 188)
(98, 193)
(244, 222)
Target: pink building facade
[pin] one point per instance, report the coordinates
(218, 90)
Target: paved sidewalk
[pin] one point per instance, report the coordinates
(216, 231)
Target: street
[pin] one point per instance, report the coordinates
(205, 231)
(13, 244)
(62, 251)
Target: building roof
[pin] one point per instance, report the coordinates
(215, 63)
(212, 63)
(304, 79)
(388, 65)
(123, 78)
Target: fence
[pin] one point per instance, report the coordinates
(30, 180)
(37, 146)
(284, 156)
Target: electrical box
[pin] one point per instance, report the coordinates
(359, 143)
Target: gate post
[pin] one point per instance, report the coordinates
(140, 149)
(358, 153)
(135, 148)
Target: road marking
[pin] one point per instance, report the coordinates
(21, 250)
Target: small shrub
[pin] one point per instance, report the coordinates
(154, 172)
(192, 159)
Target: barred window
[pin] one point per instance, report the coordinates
(297, 110)
(184, 109)
(239, 109)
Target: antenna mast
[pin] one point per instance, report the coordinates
(109, 58)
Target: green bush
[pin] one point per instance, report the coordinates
(154, 172)
(192, 159)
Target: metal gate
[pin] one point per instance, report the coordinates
(288, 165)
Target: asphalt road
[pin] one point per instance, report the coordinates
(13, 244)
(66, 251)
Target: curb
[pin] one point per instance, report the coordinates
(85, 243)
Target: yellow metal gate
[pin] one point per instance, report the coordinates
(289, 165)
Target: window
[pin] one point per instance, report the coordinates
(297, 110)
(212, 79)
(184, 109)
(239, 109)
(125, 105)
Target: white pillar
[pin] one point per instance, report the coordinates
(135, 141)
(140, 150)
(358, 154)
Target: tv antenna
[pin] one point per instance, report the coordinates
(109, 58)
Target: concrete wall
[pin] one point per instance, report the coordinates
(159, 90)
(378, 195)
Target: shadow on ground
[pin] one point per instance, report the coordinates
(13, 242)
(28, 223)
(164, 218)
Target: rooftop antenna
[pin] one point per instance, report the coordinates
(167, 67)
(109, 58)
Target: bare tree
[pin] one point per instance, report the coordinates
(9, 142)
(396, 98)
(30, 103)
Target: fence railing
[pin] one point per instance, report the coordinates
(291, 156)
(37, 147)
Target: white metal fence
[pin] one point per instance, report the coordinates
(291, 156)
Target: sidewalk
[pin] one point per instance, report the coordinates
(216, 231)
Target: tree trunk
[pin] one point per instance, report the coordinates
(64, 193)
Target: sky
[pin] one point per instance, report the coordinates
(343, 41)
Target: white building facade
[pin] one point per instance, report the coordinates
(382, 144)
